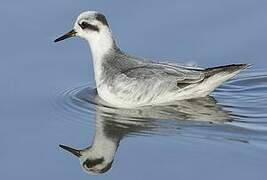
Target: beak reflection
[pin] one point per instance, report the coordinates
(73, 151)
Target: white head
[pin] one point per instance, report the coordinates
(92, 161)
(93, 27)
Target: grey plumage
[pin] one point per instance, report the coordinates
(118, 67)
(128, 81)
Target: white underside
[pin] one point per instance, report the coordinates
(129, 92)
(192, 91)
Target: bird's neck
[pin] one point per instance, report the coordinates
(101, 45)
(103, 145)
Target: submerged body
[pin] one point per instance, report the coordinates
(126, 81)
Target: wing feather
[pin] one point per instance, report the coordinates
(174, 72)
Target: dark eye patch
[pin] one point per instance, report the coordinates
(85, 25)
(92, 162)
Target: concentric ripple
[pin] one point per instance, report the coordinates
(236, 110)
(246, 96)
(72, 107)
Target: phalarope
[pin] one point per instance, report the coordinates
(126, 81)
(114, 124)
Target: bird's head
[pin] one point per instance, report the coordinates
(90, 25)
(91, 162)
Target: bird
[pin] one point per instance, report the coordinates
(126, 81)
(112, 125)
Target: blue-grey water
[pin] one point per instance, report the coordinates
(48, 96)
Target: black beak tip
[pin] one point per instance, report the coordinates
(73, 151)
(56, 40)
(61, 38)
(70, 34)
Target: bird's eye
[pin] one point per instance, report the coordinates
(84, 25)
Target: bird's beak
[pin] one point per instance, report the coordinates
(70, 34)
(73, 151)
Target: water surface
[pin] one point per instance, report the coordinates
(232, 123)
(48, 96)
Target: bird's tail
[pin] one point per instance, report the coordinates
(228, 69)
(215, 76)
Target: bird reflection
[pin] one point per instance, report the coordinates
(113, 124)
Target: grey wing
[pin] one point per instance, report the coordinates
(171, 73)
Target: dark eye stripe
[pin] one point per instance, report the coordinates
(85, 25)
(92, 162)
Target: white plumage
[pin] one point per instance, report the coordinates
(126, 81)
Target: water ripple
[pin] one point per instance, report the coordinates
(246, 96)
(240, 111)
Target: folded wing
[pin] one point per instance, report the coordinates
(173, 73)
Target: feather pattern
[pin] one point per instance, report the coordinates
(132, 81)
(126, 81)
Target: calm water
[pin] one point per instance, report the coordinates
(48, 96)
